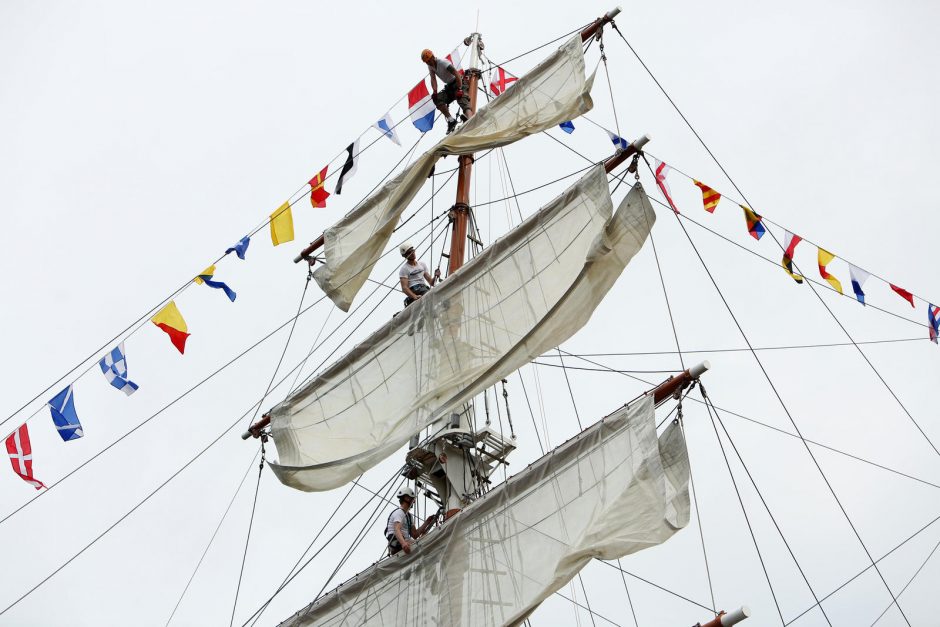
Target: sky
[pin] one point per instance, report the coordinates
(139, 140)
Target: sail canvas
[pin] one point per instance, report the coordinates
(554, 91)
(613, 490)
(528, 292)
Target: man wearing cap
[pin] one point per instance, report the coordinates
(454, 88)
(400, 530)
(414, 276)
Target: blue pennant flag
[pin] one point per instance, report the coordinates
(62, 406)
(387, 127)
(206, 277)
(619, 142)
(240, 248)
(567, 127)
(114, 367)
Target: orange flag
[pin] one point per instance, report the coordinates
(171, 321)
(709, 196)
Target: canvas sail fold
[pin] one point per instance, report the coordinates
(613, 490)
(528, 292)
(555, 91)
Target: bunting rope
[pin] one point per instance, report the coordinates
(785, 408)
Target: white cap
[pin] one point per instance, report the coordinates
(404, 248)
(406, 491)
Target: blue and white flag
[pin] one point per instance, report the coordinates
(567, 127)
(859, 277)
(619, 142)
(387, 127)
(240, 248)
(114, 367)
(62, 406)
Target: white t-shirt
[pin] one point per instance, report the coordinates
(399, 516)
(414, 274)
(440, 68)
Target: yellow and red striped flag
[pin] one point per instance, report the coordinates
(710, 197)
(825, 257)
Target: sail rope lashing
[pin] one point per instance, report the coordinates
(715, 417)
(796, 269)
(784, 406)
(212, 538)
(251, 520)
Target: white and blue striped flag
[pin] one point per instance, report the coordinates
(114, 367)
(387, 127)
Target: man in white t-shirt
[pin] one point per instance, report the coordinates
(414, 276)
(400, 530)
(455, 86)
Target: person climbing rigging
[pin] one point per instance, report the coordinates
(414, 276)
(400, 530)
(445, 70)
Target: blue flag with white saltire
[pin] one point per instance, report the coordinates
(567, 127)
(114, 367)
(240, 248)
(387, 127)
(62, 406)
(619, 142)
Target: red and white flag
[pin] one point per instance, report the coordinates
(21, 456)
(661, 170)
(501, 81)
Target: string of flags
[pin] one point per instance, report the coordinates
(754, 223)
(421, 111)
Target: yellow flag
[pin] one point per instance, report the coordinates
(824, 258)
(170, 320)
(207, 272)
(282, 225)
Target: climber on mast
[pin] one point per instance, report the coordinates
(445, 70)
(415, 278)
(400, 530)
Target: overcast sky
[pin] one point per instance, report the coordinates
(139, 140)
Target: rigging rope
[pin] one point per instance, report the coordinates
(212, 539)
(783, 405)
(760, 495)
(251, 520)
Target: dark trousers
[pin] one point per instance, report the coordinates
(421, 289)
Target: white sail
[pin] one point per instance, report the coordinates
(555, 91)
(531, 290)
(613, 490)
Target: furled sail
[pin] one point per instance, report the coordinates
(555, 91)
(613, 490)
(531, 290)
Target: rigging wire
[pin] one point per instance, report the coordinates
(746, 350)
(251, 520)
(767, 426)
(212, 539)
(909, 582)
(760, 495)
(865, 570)
(257, 614)
(656, 585)
(747, 519)
(783, 405)
(290, 335)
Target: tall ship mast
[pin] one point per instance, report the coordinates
(532, 430)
